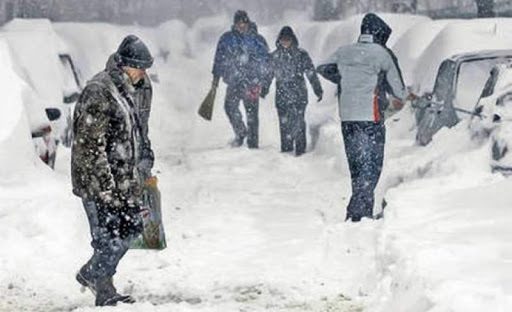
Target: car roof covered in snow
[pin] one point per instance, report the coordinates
(464, 57)
(461, 38)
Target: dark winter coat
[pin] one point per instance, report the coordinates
(142, 98)
(241, 59)
(107, 142)
(288, 67)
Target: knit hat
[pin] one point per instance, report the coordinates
(132, 52)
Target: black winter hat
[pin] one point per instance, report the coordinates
(132, 52)
(241, 16)
(374, 25)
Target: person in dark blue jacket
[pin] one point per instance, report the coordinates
(241, 60)
(289, 65)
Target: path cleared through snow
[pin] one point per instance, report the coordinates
(247, 231)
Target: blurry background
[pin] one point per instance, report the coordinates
(153, 12)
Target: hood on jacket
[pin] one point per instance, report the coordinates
(253, 28)
(375, 26)
(241, 16)
(287, 31)
(112, 62)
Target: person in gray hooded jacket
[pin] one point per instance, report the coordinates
(364, 71)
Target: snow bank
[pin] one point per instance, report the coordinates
(17, 154)
(444, 246)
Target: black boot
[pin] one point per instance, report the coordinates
(106, 294)
(85, 279)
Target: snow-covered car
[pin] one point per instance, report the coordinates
(458, 85)
(51, 76)
(492, 117)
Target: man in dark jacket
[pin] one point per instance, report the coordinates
(366, 72)
(241, 60)
(105, 165)
(288, 65)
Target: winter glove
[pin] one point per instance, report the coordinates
(320, 97)
(253, 93)
(397, 104)
(215, 82)
(412, 97)
(264, 92)
(151, 182)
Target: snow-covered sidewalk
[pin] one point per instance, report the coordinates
(247, 231)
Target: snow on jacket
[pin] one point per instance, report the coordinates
(142, 98)
(241, 59)
(360, 66)
(107, 137)
(288, 67)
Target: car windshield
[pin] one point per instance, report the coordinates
(472, 78)
(444, 80)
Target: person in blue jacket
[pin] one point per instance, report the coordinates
(241, 60)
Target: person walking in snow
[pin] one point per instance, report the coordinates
(106, 158)
(367, 73)
(241, 60)
(288, 65)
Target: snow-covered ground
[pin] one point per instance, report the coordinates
(259, 230)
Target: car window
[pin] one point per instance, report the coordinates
(444, 81)
(472, 77)
(70, 79)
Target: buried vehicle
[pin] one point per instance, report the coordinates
(458, 86)
(54, 84)
(492, 118)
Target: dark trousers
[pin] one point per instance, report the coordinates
(109, 248)
(235, 94)
(364, 147)
(292, 126)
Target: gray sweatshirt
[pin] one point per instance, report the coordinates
(360, 66)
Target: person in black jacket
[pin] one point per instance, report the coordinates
(289, 64)
(106, 165)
